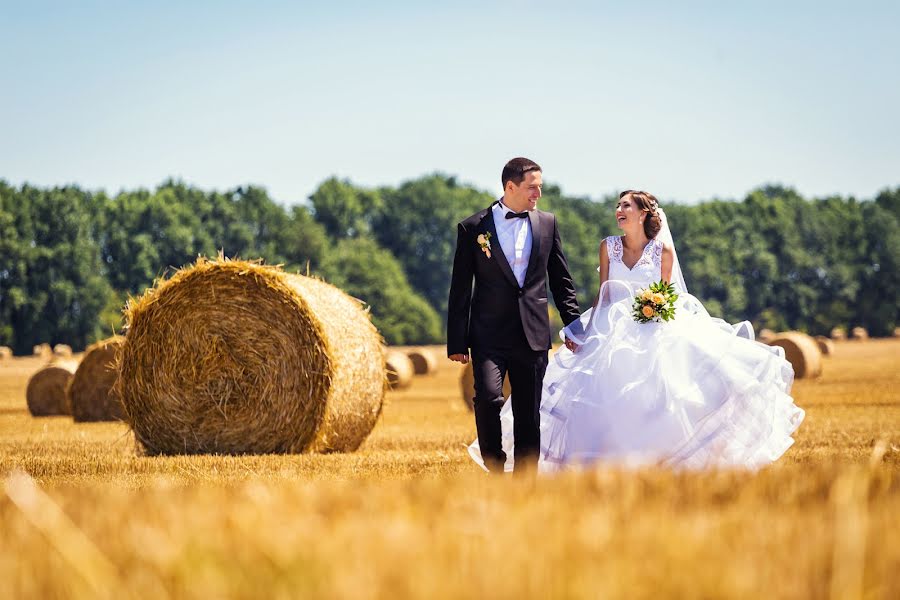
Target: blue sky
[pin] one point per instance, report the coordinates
(689, 100)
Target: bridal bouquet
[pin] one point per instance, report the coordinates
(656, 303)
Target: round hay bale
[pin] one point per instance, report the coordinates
(62, 350)
(42, 350)
(467, 386)
(46, 391)
(234, 357)
(765, 336)
(423, 360)
(826, 346)
(897, 332)
(839, 334)
(801, 351)
(5, 353)
(859, 333)
(90, 394)
(399, 369)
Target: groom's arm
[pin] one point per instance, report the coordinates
(561, 285)
(460, 300)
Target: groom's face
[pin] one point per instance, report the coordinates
(525, 195)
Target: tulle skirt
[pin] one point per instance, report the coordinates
(695, 392)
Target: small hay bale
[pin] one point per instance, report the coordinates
(5, 353)
(801, 351)
(839, 334)
(826, 346)
(234, 357)
(42, 350)
(859, 333)
(46, 391)
(399, 369)
(423, 360)
(62, 350)
(90, 395)
(467, 386)
(765, 336)
(897, 332)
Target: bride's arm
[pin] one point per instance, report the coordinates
(668, 259)
(604, 270)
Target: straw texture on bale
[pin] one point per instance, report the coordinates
(423, 360)
(467, 386)
(859, 333)
(5, 352)
(235, 357)
(42, 350)
(62, 350)
(839, 333)
(90, 394)
(765, 335)
(801, 351)
(399, 369)
(46, 391)
(826, 346)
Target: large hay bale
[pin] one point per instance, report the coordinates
(826, 346)
(423, 360)
(46, 391)
(859, 333)
(234, 357)
(399, 369)
(90, 394)
(467, 386)
(42, 350)
(5, 353)
(62, 350)
(839, 334)
(801, 351)
(765, 336)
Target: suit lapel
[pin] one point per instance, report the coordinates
(535, 218)
(496, 249)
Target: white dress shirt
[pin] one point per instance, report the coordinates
(515, 240)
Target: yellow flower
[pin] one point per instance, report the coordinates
(647, 295)
(481, 240)
(648, 311)
(658, 298)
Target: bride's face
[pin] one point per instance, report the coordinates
(628, 214)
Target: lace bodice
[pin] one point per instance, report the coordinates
(648, 268)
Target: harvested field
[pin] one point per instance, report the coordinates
(409, 515)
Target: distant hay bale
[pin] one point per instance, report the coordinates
(5, 353)
(423, 360)
(46, 391)
(42, 350)
(826, 346)
(859, 333)
(765, 335)
(90, 394)
(897, 332)
(399, 369)
(467, 386)
(839, 334)
(234, 357)
(802, 352)
(62, 350)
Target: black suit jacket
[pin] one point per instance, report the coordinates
(495, 315)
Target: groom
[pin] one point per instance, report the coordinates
(512, 250)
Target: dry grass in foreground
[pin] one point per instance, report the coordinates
(408, 515)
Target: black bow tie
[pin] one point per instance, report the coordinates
(515, 215)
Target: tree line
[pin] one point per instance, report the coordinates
(70, 257)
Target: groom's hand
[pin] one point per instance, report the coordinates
(460, 358)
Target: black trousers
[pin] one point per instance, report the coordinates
(525, 368)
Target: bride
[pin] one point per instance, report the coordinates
(693, 392)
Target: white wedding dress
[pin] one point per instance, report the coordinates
(694, 392)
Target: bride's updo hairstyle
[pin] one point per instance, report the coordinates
(647, 202)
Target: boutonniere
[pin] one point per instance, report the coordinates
(484, 240)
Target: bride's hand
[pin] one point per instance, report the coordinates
(572, 346)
